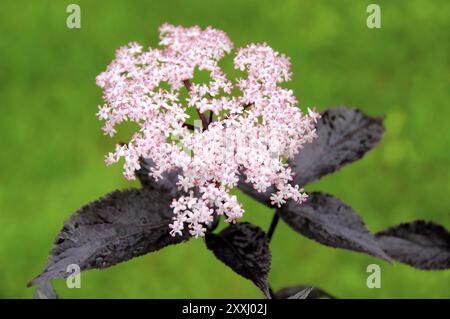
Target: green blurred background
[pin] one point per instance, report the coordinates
(52, 147)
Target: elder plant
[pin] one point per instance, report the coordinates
(248, 133)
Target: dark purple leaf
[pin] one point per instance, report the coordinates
(120, 226)
(421, 244)
(330, 222)
(300, 291)
(344, 136)
(302, 294)
(165, 184)
(248, 189)
(244, 248)
(45, 291)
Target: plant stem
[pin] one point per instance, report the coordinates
(202, 116)
(211, 113)
(272, 294)
(189, 126)
(246, 106)
(273, 225)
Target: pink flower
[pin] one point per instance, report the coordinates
(252, 134)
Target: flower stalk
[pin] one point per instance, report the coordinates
(273, 225)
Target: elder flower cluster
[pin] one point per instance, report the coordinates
(250, 133)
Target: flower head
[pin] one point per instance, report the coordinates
(253, 133)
